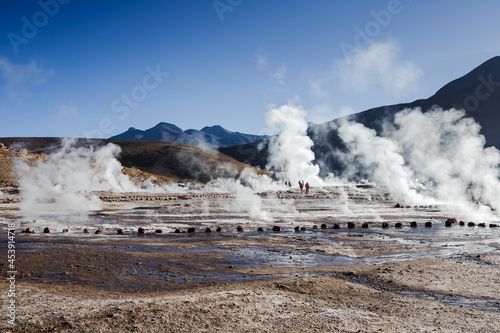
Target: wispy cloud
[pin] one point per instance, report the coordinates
(280, 74)
(17, 75)
(378, 65)
(261, 58)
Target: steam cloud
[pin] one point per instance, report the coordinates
(65, 182)
(440, 150)
(290, 151)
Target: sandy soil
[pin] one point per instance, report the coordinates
(361, 280)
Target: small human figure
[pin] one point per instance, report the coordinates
(307, 188)
(301, 185)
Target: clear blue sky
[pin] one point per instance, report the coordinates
(96, 67)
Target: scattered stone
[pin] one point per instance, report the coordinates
(428, 224)
(191, 230)
(240, 228)
(413, 224)
(493, 225)
(397, 205)
(219, 229)
(323, 226)
(398, 225)
(177, 231)
(120, 232)
(98, 231)
(208, 230)
(315, 227)
(159, 231)
(260, 229)
(297, 228)
(351, 225)
(276, 228)
(65, 230)
(29, 231)
(47, 230)
(365, 225)
(385, 225)
(449, 222)
(336, 226)
(462, 223)
(141, 231)
(471, 224)
(85, 231)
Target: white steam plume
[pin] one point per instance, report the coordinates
(245, 199)
(378, 157)
(64, 183)
(446, 148)
(442, 149)
(290, 151)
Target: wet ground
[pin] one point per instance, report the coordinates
(456, 266)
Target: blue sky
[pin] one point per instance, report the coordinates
(94, 68)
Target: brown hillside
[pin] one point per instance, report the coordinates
(172, 161)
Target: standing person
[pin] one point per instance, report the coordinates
(301, 185)
(307, 188)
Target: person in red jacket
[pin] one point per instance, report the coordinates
(307, 188)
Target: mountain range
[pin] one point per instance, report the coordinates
(213, 136)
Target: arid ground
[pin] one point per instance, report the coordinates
(319, 279)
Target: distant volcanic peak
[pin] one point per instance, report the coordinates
(217, 130)
(210, 135)
(487, 74)
(167, 126)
